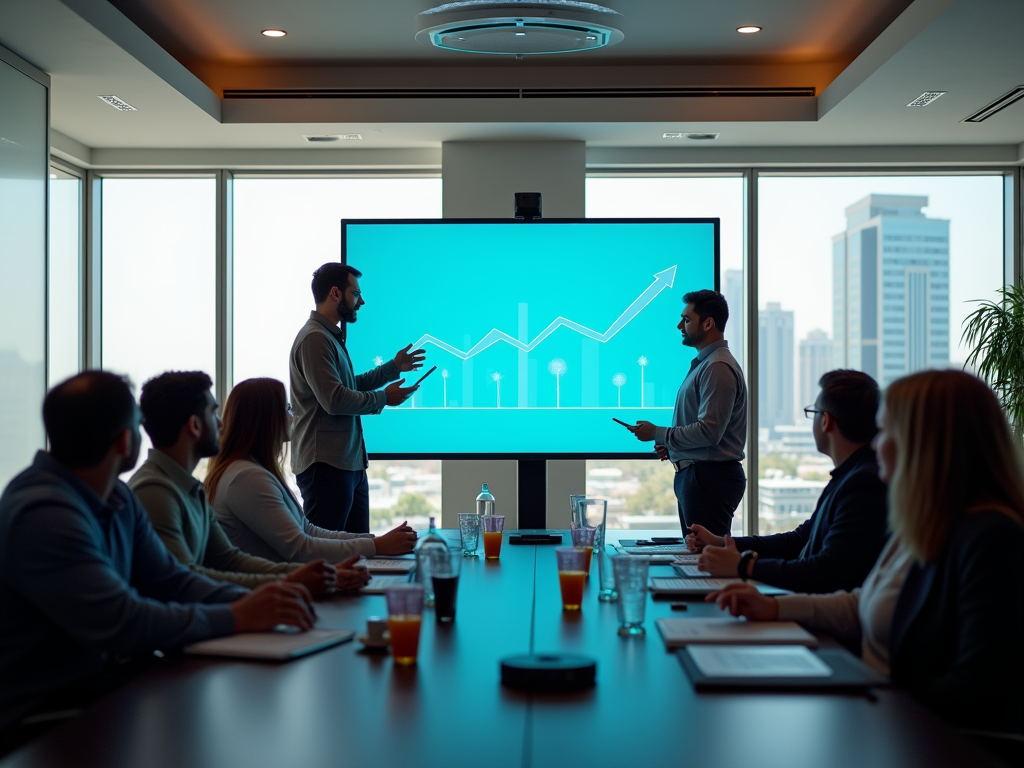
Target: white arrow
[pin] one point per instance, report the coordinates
(662, 280)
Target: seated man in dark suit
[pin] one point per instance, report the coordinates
(84, 580)
(837, 546)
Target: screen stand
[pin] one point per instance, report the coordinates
(533, 490)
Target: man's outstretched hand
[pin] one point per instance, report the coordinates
(406, 360)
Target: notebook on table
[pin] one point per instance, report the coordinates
(271, 646)
(690, 571)
(679, 632)
(719, 667)
(377, 584)
(692, 586)
(661, 549)
(387, 565)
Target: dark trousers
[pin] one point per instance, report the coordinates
(708, 493)
(335, 499)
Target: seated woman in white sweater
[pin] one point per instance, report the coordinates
(245, 485)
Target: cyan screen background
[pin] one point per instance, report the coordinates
(458, 281)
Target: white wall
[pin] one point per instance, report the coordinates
(479, 181)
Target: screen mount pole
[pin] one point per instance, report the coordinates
(533, 476)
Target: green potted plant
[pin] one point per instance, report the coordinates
(995, 333)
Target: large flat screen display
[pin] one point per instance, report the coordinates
(542, 331)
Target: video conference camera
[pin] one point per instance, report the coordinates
(527, 205)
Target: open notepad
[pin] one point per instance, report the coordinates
(377, 584)
(272, 646)
(680, 632)
(387, 566)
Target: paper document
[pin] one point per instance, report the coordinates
(688, 586)
(757, 661)
(729, 631)
(377, 584)
(286, 644)
(690, 571)
(690, 559)
(662, 549)
(387, 566)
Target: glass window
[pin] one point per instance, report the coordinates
(875, 273)
(283, 230)
(23, 169)
(159, 277)
(640, 493)
(65, 277)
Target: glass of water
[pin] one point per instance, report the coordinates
(469, 528)
(631, 585)
(574, 507)
(593, 513)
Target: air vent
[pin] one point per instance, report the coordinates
(926, 98)
(996, 106)
(325, 138)
(117, 103)
(702, 136)
(521, 93)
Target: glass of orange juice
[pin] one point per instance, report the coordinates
(571, 575)
(405, 614)
(492, 527)
(583, 538)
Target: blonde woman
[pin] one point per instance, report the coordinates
(943, 610)
(246, 486)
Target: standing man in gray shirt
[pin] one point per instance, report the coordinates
(327, 400)
(709, 425)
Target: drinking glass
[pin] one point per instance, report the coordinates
(405, 615)
(571, 575)
(574, 511)
(583, 538)
(594, 514)
(445, 575)
(631, 585)
(469, 528)
(492, 526)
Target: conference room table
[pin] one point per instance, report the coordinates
(346, 707)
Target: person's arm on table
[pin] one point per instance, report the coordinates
(257, 501)
(851, 546)
(835, 614)
(720, 555)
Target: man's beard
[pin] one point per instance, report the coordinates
(689, 341)
(348, 315)
(208, 443)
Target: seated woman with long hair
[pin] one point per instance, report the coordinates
(943, 611)
(246, 487)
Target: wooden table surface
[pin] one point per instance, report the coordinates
(343, 707)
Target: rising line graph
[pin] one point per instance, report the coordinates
(662, 280)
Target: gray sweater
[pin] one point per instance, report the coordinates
(328, 398)
(262, 518)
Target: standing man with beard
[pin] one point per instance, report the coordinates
(180, 416)
(328, 454)
(709, 425)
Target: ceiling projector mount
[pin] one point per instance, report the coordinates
(520, 27)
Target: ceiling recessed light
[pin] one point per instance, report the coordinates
(749, 29)
(328, 137)
(116, 103)
(925, 98)
(520, 34)
(273, 33)
(671, 135)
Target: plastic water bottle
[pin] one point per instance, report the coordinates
(485, 504)
(428, 549)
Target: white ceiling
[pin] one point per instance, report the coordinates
(972, 50)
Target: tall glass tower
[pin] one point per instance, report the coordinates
(890, 282)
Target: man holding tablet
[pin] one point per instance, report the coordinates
(327, 397)
(709, 425)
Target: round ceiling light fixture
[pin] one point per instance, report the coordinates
(520, 27)
(749, 29)
(273, 33)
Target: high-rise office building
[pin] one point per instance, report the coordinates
(735, 329)
(891, 288)
(815, 359)
(775, 366)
